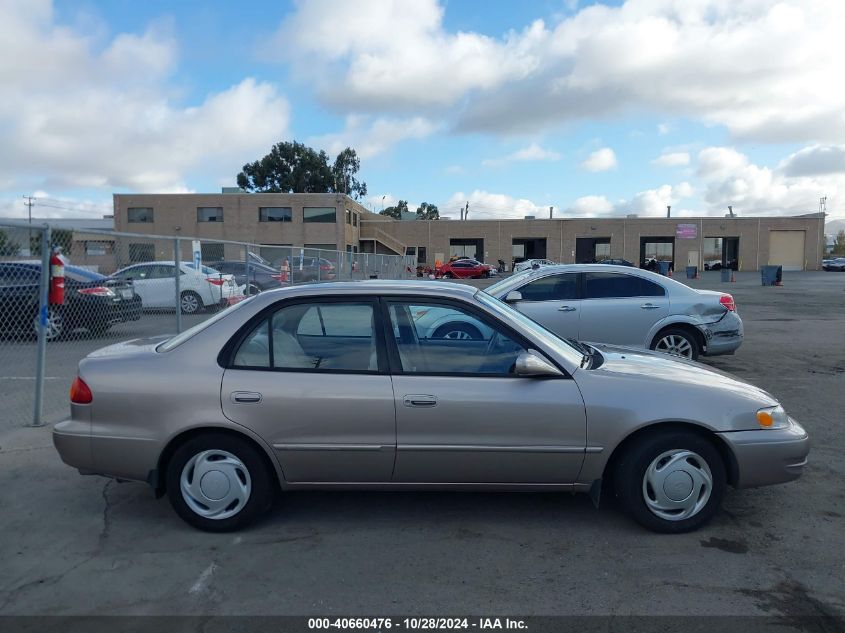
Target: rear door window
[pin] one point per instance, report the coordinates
(613, 285)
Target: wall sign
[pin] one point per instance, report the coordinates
(686, 231)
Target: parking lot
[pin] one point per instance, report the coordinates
(87, 545)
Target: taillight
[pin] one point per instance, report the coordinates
(325, 267)
(99, 291)
(80, 393)
(217, 281)
(279, 277)
(728, 302)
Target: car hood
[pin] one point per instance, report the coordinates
(675, 371)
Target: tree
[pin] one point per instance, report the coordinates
(839, 243)
(292, 167)
(346, 165)
(8, 248)
(62, 238)
(396, 212)
(428, 211)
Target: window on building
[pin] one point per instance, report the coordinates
(354, 219)
(211, 251)
(139, 214)
(141, 252)
(421, 254)
(411, 250)
(319, 214)
(98, 247)
(209, 214)
(349, 216)
(275, 214)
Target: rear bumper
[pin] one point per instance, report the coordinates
(723, 337)
(72, 439)
(768, 457)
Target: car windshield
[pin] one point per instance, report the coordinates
(508, 283)
(205, 269)
(544, 336)
(177, 340)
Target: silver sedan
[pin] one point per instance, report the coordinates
(625, 306)
(336, 386)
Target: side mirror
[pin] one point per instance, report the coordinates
(513, 296)
(531, 364)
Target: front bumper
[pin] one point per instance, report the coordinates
(768, 457)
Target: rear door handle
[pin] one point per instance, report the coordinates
(649, 306)
(566, 309)
(245, 397)
(423, 400)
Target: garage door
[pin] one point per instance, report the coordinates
(786, 248)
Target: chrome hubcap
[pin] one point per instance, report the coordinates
(676, 345)
(54, 324)
(189, 303)
(215, 484)
(677, 485)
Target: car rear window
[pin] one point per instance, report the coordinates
(177, 340)
(619, 285)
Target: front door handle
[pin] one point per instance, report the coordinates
(566, 309)
(245, 397)
(649, 306)
(423, 400)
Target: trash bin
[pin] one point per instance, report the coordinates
(663, 267)
(726, 274)
(771, 275)
(692, 272)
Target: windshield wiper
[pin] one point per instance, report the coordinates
(586, 352)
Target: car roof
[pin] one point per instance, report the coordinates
(438, 289)
(604, 268)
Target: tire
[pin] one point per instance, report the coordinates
(677, 342)
(462, 331)
(697, 467)
(447, 275)
(56, 326)
(242, 471)
(190, 302)
(485, 275)
(254, 290)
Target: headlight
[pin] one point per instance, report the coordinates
(773, 418)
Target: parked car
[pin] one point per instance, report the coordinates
(155, 283)
(92, 301)
(464, 269)
(617, 262)
(837, 264)
(261, 277)
(305, 269)
(530, 264)
(625, 306)
(334, 386)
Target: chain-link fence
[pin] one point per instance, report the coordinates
(120, 286)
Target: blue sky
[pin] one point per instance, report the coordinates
(594, 108)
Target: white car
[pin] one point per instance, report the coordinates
(155, 283)
(528, 264)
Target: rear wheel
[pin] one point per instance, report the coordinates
(55, 324)
(461, 331)
(677, 342)
(218, 482)
(190, 302)
(671, 482)
(447, 275)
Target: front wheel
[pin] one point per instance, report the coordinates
(447, 275)
(671, 482)
(218, 482)
(460, 331)
(677, 342)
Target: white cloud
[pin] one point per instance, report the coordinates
(730, 178)
(672, 159)
(484, 205)
(663, 128)
(648, 202)
(589, 206)
(533, 152)
(370, 137)
(602, 159)
(761, 69)
(85, 113)
(814, 161)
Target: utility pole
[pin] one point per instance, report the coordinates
(29, 202)
(823, 204)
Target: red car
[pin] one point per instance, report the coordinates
(463, 269)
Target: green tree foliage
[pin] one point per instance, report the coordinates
(346, 165)
(8, 248)
(839, 243)
(292, 167)
(396, 211)
(428, 211)
(63, 238)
